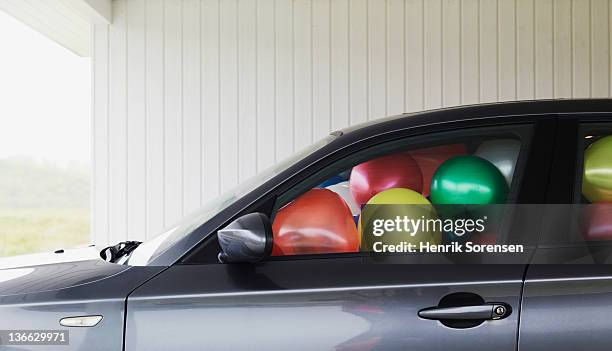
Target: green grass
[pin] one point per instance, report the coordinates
(44, 206)
(24, 231)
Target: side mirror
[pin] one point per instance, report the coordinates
(247, 239)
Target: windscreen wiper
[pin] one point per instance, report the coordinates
(115, 252)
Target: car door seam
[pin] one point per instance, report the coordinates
(125, 305)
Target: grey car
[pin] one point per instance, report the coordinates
(227, 278)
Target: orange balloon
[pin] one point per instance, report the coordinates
(392, 171)
(429, 159)
(318, 221)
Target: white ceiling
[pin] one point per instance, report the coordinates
(67, 22)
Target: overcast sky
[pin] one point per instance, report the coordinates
(44, 96)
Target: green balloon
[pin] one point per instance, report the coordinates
(468, 180)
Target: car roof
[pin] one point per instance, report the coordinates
(477, 111)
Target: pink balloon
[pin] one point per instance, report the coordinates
(392, 171)
(599, 225)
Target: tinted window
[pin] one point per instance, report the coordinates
(586, 216)
(595, 184)
(476, 167)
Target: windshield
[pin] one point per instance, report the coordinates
(152, 248)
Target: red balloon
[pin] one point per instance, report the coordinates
(484, 238)
(599, 222)
(429, 159)
(382, 173)
(318, 221)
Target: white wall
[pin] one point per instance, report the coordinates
(191, 97)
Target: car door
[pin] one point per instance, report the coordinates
(568, 289)
(344, 300)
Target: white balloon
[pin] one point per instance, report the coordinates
(344, 191)
(503, 153)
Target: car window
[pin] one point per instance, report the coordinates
(475, 167)
(594, 184)
(584, 218)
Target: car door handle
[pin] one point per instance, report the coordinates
(476, 312)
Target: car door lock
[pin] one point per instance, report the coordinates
(499, 311)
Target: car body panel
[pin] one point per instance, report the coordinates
(48, 277)
(37, 297)
(320, 304)
(567, 307)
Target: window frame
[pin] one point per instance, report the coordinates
(572, 167)
(530, 150)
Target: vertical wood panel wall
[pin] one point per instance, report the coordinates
(194, 96)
